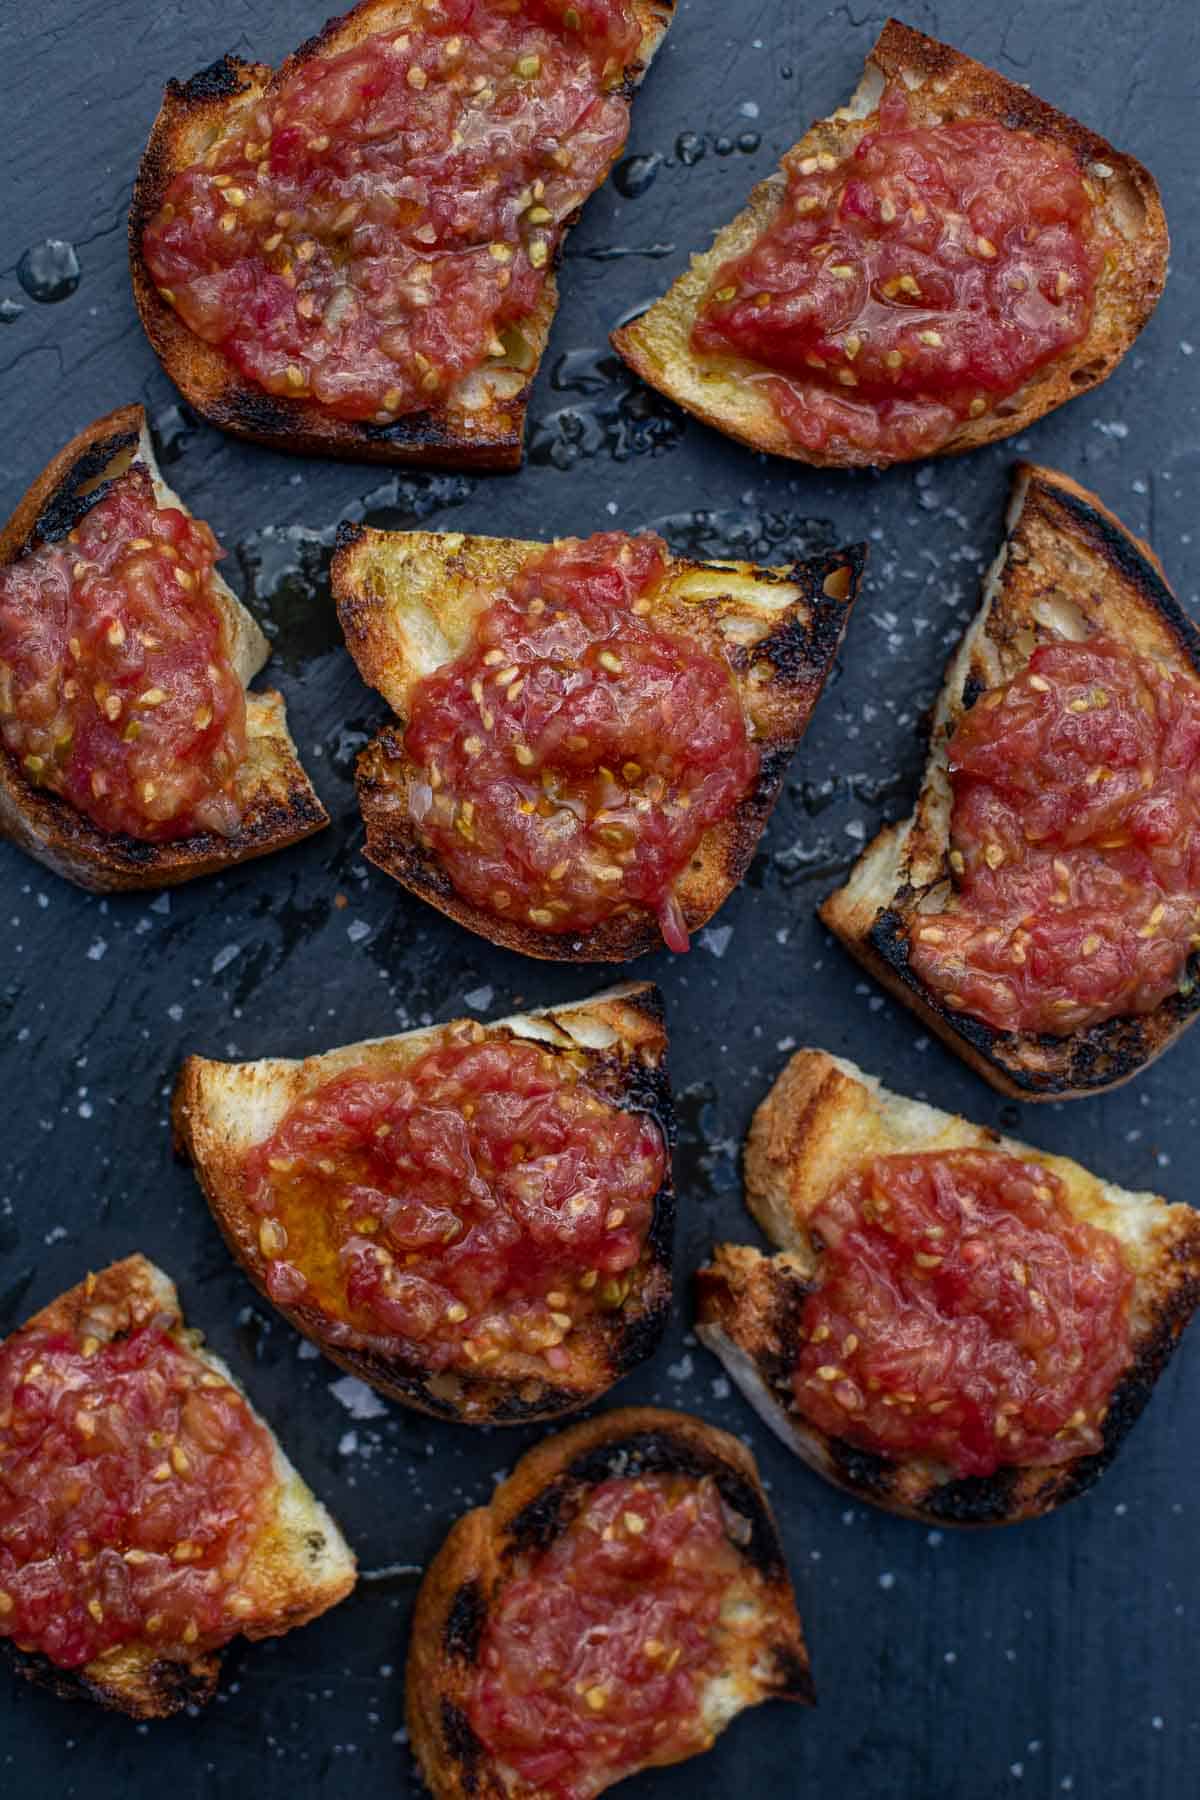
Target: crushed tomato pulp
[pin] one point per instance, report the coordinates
(116, 688)
(375, 226)
(597, 1651)
(1075, 844)
(134, 1483)
(481, 1200)
(571, 759)
(918, 281)
(962, 1314)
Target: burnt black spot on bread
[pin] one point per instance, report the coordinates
(793, 1677)
(219, 81)
(463, 1748)
(243, 407)
(465, 1621)
(973, 689)
(863, 1470)
(163, 1687)
(348, 534)
(974, 1500)
(802, 648)
(69, 503)
(639, 1335)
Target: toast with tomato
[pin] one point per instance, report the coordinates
(619, 1601)
(590, 735)
(268, 798)
(476, 1219)
(149, 1515)
(354, 254)
(953, 1325)
(1040, 908)
(840, 318)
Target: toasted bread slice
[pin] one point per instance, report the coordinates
(761, 1637)
(479, 424)
(823, 1118)
(222, 1111)
(1067, 567)
(408, 602)
(279, 804)
(300, 1566)
(941, 84)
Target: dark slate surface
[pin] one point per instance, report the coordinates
(1047, 1660)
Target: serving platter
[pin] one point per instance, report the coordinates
(1052, 1659)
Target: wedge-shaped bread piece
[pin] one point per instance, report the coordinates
(278, 803)
(823, 1119)
(941, 84)
(298, 1565)
(757, 1637)
(616, 1044)
(478, 423)
(408, 602)
(1067, 568)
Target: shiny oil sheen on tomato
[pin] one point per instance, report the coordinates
(598, 1649)
(133, 1485)
(572, 757)
(910, 285)
(379, 222)
(962, 1314)
(1075, 844)
(116, 688)
(481, 1200)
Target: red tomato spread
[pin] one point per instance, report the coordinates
(595, 1657)
(962, 1314)
(481, 1200)
(374, 227)
(133, 1484)
(116, 688)
(1075, 844)
(910, 285)
(573, 756)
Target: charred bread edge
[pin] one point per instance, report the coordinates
(49, 828)
(633, 1335)
(167, 1685)
(900, 47)
(207, 378)
(526, 1514)
(1012, 1494)
(1103, 1055)
(801, 656)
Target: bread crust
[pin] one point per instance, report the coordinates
(301, 1564)
(221, 1110)
(525, 1514)
(407, 603)
(450, 435)
(1067, 565)
(822, 1118)
(941, 83)
(279, 804)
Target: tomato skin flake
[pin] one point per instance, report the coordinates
(596, 1653)
(910, 285)
(571, 759)
(1075, 844)
(962, 1314)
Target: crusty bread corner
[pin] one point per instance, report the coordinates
(767, 1657)
(279, 803)
(301, 1565)
(407, 602)
(481, 422)
(942, 84)
(221, 1111)
(821, 1119)
(1067, 567)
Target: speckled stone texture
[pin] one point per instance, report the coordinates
(1052, 1659)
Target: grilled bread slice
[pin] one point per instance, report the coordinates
(279, 804)
(223, 1110)
(1067, 568)
(763, 1651)
(941, 84)
(408, 601)
(820, 1121)
(480, 422)
(299, 1568)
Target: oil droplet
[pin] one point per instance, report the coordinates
(749, 142)
(49, 271)
(10, 311)
(613, 414)
(633, 176)
(723, 146)
(689, 148)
